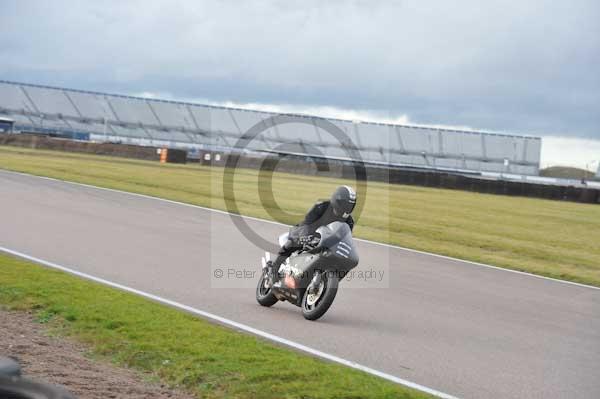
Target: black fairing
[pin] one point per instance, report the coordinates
(335, 252)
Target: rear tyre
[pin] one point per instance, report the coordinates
(264, 295)
(315, 307)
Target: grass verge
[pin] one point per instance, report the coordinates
(179, 349)
(550, 238)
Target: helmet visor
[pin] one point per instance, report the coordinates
(345, 208)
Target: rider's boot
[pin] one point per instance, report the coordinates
(273, 268)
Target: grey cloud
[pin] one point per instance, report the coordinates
(528, 67)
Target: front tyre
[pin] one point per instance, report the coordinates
(264, 293)
(317, 301)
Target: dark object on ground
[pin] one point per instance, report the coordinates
(9, 367)
(13, 386)
(62, 362)
(112, 149)
(24, 388)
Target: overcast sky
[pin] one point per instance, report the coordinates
(521, 66)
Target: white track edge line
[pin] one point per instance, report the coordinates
(235, 324)
(469, 262)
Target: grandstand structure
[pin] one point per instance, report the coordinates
(87, 115)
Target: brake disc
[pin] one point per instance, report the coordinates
(311, 299)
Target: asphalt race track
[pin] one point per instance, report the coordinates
(459, 328)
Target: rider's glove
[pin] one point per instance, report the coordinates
(304, 240)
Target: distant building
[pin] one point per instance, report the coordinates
(200, 127)
(6, 125)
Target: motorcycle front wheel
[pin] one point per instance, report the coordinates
(317, 302)
(264, 294)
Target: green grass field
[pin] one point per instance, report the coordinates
(176, 348)
(550, 238)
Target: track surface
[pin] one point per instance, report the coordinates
(469, 331)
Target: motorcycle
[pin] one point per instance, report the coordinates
(310, 276)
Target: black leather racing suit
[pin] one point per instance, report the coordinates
(319, 215)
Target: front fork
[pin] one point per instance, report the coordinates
(267, 269)
(313, 287)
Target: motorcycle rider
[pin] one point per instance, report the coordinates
(338, 208)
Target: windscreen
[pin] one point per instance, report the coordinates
(335, 232)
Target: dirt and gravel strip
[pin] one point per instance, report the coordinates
(60, 361)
